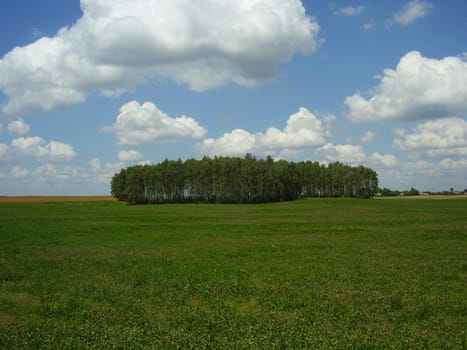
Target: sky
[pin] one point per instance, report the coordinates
(90, 87)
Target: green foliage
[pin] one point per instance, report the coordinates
(386, 192)
(240, 180)
(308, 274)
(412, 192)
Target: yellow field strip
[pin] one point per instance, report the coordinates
(31, 199)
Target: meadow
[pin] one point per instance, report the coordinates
(308, 274)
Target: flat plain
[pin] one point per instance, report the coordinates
(309, 274)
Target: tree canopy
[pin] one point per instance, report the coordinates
(240, 180)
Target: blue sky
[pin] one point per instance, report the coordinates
(89, 87)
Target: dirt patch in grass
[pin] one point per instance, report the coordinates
(20, 299)
(6, 319)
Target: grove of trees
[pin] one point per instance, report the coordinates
(386, 192)
(240, 180)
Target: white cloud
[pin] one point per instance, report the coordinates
(419, 165)
(412, 11)
(38, 148)
(117, 44)
(449, 163)
(418, 88)
(368, 137)
(303, 129)
(447, 136)
(418, 172)
(103, 173)
(145, 162)
(455, 151)
(349, 10)
(48, 170)
(147, 125)
(129, 155)
(60, 179)
(18, 127)
(368, 25)
(386, 160)
(95, 164)
(236, 143)
(19, 172)
(352, 154)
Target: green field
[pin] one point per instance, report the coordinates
(309, 274)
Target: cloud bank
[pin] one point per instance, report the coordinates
(419, 88)
(352, 154)
(117, 44)
(440, 137)
(38, 149)
(33, 147)
(303, 129)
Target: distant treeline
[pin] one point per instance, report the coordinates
(386, 192)
(240, 180)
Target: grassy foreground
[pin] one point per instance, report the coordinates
(310, 274)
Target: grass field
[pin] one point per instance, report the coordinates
(310, 274)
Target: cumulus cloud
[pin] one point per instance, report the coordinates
(447, 136)
(19, 172)
(236, 143)
(386, 160)
(95, 164)
(102, 173)
(36, 147)
(50, 170)
(303, 129)
(418, 88)
(449, 163)
(145, 124)
(412, 11)
(18, 127)
(368, 137)
(129, 155)
(117, 44)
(352, 154)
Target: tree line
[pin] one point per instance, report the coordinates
(386, 192)
(240, 180)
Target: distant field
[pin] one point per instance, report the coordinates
(36, 199)
(39, 199)
(432, 196)
(309, 274)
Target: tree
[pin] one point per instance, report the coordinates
(412, 192)
(240, 180)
